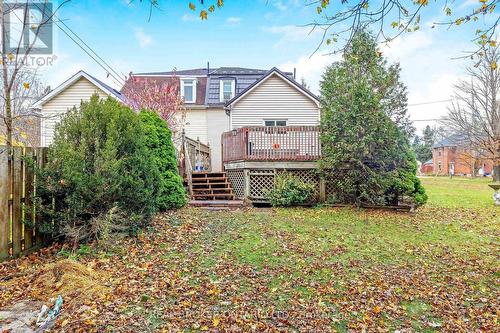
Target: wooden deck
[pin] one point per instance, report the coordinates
(278, 143)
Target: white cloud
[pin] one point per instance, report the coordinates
(291, 33)
(284, 5)
(189, 18)
(234, 20)
(143, 38)
(427, 70)
(407, 45)
(310, 68)
(468, 3)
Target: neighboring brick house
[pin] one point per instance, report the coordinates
(452, 156)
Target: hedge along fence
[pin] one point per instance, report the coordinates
(17, 214)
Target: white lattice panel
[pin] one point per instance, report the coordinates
(237, 180)
(260, 182)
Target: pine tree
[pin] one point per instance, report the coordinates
(366, 156)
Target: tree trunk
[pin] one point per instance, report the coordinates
(5, 79)
(496, 173)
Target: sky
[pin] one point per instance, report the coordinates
(254, 34)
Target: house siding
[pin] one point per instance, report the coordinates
(55, 108)
(274, 99)
(218, 123)
(195, 125)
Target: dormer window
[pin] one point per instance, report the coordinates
(188, 90)
(227, 89)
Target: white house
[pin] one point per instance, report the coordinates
(215, 101)
(79, 87)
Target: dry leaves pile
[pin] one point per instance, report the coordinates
(292, 270)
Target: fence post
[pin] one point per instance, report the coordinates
(17, 186)
(39, 162)
(29, 212)
(4, 203)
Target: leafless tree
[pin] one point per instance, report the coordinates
(26, 90)
(476, 111)
(22, 27)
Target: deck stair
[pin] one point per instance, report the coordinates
(211, 186)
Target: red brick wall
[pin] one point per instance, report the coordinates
(461, 159)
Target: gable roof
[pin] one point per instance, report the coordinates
(80, 74)
(451, 141)
(205, 72)
(284, 76)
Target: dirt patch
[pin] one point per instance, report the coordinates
(20, 317)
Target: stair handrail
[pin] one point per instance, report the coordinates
(188, 167)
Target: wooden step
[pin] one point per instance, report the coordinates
(208, 174)
(222, 189)
(211, 184)
(214, 195)
(217, 204)
(201, 180)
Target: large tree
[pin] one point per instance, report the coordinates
(366, 157)
(383, 78)
(475, 114)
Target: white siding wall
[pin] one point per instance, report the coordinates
(274, 99)
(218, 123)
(195, 125)
(54, 109)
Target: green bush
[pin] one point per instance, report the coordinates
(159, 142)
(290, 191)
(98, 171)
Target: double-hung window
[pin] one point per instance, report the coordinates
(227, 89)
(188, 90)
(274, 122)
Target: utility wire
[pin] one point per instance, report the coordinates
(92, 50)
(116, 77)
(431, 102)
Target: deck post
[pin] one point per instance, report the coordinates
(246, 173)
(322, 189)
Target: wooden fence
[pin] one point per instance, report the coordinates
(17, 214)
(277, 143)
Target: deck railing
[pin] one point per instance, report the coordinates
(276, 143)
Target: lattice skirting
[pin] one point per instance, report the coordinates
(237, 180)
(306, 175)
(260, 182)
(263, 180)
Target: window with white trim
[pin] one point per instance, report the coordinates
(226, 89)
(275, 122)
(188, 90)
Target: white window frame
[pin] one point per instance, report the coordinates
(195, 82)
(221, 89)
(275, 120)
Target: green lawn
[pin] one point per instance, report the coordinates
(294, 270)
(458, 192)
